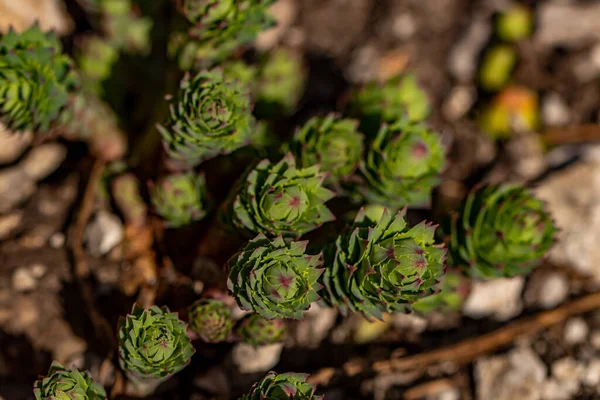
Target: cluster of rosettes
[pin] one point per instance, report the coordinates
(180, 198)
(220, 27)
(210, 117)
(275, 278)
(36, 80)
(331, 142)
(400, 98)
(257, 331)
(153, 345)
(211, 320)
(502, 231)
(282, 387)
(402, 165)
(280, 199)
(382, 267)
(67, 384)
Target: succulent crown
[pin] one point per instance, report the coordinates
(67, 384)
(280, 199)
(153, 344)
(257, 331)
(180, 198)
(35, 80)
(333, 143)
(382, 267)
(281, 387)
(501, 231)
(211, 320)
(402, 164)
(275, 278)
(212, 116)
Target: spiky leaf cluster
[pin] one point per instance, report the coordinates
(35, 80)
(275, 278)
(333, 143)
(399, 98)
(401, 165)
(280, 199)
(180, 198)
(382, 267)
(220, 27)
(153, 344)
(67, 384)
(280, 83)
(211, 116)
(282, 387)
(211, 320)
(454, 289)
(502, 231)
(257, 331)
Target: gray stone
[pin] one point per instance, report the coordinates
(568, 25)
(250, 359)
(103, 233)
(498, 298)
(517, 375)
(16, 187)
(43, 160)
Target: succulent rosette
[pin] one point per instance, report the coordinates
(257, 331)
(502, 231)
(333, 143)
(454, 290)
(67, 384)
(36, 80)
(275, 278)
(280, 199)
(400, 98)
(281, 387)
(211, 320)
(153, 345)
(180, 198)
(280, 83)
(402, 165)
(382, 267)
(211, 116)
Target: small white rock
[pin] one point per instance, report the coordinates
(315, 326)
(15, 188)
(43, 160)
(23, 280)
(576, 330)
(57, 240)
(498, 298)
(404, 26)
(553, 290)
(555, 111)
(568, 373)
(250, 359)
(103, 233)
(463, 58)
(595, 339)
(459, 102)
(591, 376)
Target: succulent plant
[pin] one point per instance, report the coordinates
(153, 345)
(502, 231)
(401, 165)
(220, 28)
(280, 199)
(333, 143)
(400, 98)
(497, 67)
(257, 331)
(454, 290)
(67, 384)
(275, 278)
(211, 320)
(382, 267)
(280, 83)
(180, 198)
(36, 80)
(514, 109)
(515, 23)
(281, 387)
(212, 116)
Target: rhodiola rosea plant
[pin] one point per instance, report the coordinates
(284, 214)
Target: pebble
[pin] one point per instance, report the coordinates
(498, 298)
(250, 359)
(591, 375)
(459, 102)
(24, 280)
(576, 330)
(57, 240)
(463, 58)
(15, 188)
(12, 145)
(315, 326)
(555, 111)
(103, 233)
(404, 26)
(595, 339)
(566, 379)
(553, 290)
(42, 160)
(9, 223)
